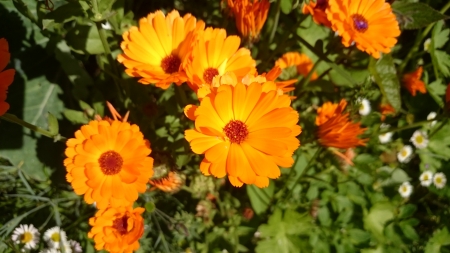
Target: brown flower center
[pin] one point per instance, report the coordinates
(321, 4)
(170, 64)
(236, 131)
(360, 23)
(121, 225)
(110, 162)
(209, 74)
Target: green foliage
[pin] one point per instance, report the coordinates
(413, 15)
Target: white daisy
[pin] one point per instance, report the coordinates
(426, 178)
(27, 235)
(431, 116)
(106, 26)
(364, 106)
(405, 154)
(75, 246)
(426, 44)
(55, 237)
(419, 139)
(405, 189)
(386, 137)
(439, 180)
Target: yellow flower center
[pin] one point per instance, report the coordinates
(121, 225)
(170, 64)
(209, 74)
(55, 237)
(404, 153)
(26, 237)
(419, 139)
(404, 188)
(236, 131)
(360, 23)
(425, 177)
(438, 180)
(110, 162)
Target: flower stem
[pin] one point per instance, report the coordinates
(413, 125)
(14, 119)
(275, 23)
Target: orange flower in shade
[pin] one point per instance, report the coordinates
(244, 132)
(317, 10)
(386, 109)
(302, 62)
(250, 16)
(117, 230)
(214, 54)
(335, 128)
(108, 162)
(370, 24)
(157, 50)
(283, 86)
(6, 76)
(171, 183)
(412, 82)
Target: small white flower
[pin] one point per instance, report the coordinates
(405, 189)
(431, 116)
(364, 106)
(55, 237)
(419, 139)
(426, 178)
(75, 246)
(426, 44)
(386, 137)
(27, 235)
(439, 180)
(405, 154)
(107, 26)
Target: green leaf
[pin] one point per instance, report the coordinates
(439, 36)
(286, 6)
(440, 238)
(415, 15)
(260, 198)
(407, 211)
(66, 13)
(53, 126)
(85, 39)
(440, 59)
(385, 76)
(376, 218)
(150, 207)
(358, 236)
(437, 90)
(408, 231)
(443, 62)
(76, 117)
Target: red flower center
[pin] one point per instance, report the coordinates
(121, 225)
(209, 74)
(170, 64)
(321, 4)
(360, 23)
(236, 131)
(110, 162)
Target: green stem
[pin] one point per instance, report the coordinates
(413, 125)
(275, 23)
(14, 119)
(182, 94)
(418, 40)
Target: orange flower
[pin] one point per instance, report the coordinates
(335, 128)
(6, 77)
(244, 132)
(301, 61)
(386, 109)
(108, 162)
(157, 50)
(370, 24)
(170, 183)
(283, 86)
(214, 54)
(250, 16)
(412, 82)
(117, 230)
(317, 10)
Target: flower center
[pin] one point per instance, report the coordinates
(209, 74)
(55, 237)
(236, 131)
(170, 64)
(404, 153)
(26, 237)
(360, 23)
(438, 180)
(419, 139)
(404, 188)
(121, 225)
(425, 177)
(321, 4)
(110, 162)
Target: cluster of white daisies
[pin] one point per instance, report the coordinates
(426, 179)
(27, 236)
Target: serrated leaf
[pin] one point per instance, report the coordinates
(439, 36)
(260, 197)
(415, 15)
(385, 76)
(443, 62)
(437, 90)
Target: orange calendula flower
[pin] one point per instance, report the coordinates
(317, 10)
(250, 16)
(302, 62)
(370, 24)
(108, 162)
(157, 50)
(335, 128)
(412, 82)
(244, 132)
(171, 183)
(6, 76)
(214, 54)
(386, 109)
(117, 229)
